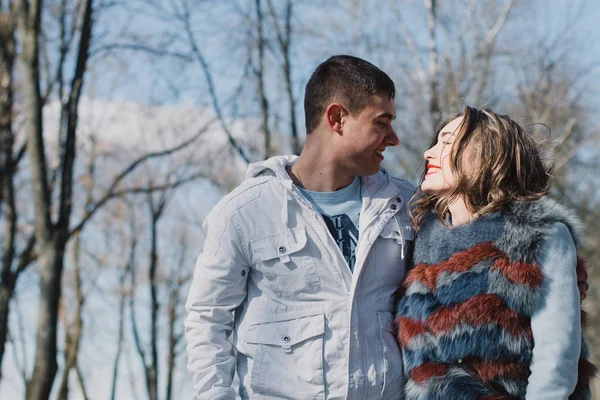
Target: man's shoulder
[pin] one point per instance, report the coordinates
(245, 193)
(403, 185)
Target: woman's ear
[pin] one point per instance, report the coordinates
(334, 115)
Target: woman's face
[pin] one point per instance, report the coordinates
(439, 177)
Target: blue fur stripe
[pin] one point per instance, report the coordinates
(418, 306)
(457, 384)
(521, 298)
(464, 287)
(486, 342)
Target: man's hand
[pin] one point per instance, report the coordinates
(582, 277)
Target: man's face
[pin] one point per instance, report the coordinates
(366, 134)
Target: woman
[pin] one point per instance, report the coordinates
(491, 308)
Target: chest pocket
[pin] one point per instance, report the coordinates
(286, 265)
(394, 249)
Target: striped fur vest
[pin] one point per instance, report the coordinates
(464, 322)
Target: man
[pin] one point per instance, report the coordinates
(308, 251)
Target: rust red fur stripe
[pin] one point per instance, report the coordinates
(519, 272)
(459, 262)
(489, 371)
(408, 328)
(427, 370)
(478, 310)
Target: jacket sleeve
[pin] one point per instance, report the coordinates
(556, 325)
(217, 289)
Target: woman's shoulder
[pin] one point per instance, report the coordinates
(558, 249)
(542, 215)
(560, 234)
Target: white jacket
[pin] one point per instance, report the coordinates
(305, 327)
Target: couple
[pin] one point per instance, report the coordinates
(311, 251)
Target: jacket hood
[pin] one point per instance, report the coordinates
(274, 166)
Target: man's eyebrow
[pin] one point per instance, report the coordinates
(386, 115)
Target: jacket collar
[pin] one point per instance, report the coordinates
(276, 166)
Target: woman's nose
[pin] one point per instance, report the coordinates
(428, 154)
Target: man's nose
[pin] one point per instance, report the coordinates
(393, 138)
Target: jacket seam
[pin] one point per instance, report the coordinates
(242, 191)
(240, 237)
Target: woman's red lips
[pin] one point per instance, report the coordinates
(432, 169)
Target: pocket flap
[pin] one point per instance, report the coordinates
(398, 231)
(286, 333)
(386, 321)
(280, 244)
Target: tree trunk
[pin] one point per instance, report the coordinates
(6, 293)
(7, 196)
(260, 76)
(39, 386)
(434, 95)
(51, 237)
(115, 373)
(152, 369)
(73, 337)
(44, 371)
(172, 341)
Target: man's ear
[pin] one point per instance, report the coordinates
(334, 115)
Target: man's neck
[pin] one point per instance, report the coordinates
(319, 175)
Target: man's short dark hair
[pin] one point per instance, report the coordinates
(349, 80)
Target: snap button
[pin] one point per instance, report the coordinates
(286, 339)
(243, 272)
(282, 249)
(460, 360)
(394, 207)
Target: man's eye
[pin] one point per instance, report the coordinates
(382, 124)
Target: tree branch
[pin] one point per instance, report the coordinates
(69, 123)
(111, 193)
(211, 86)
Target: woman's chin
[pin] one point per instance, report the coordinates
(433, 190)
(427, 189)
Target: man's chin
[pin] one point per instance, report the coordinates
(369, 172)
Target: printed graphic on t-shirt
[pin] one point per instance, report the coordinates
(345, 234)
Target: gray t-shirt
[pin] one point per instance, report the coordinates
(341, 211)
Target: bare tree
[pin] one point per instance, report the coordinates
(259, 71)
(284, 39)
(434, 96)
(124, 293)
(74, 329)
(149, 358)
(51, 236)
(8, 276)
(178, 278)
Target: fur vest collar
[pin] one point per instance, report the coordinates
(464, 321)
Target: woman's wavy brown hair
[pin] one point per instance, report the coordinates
(495, 162)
